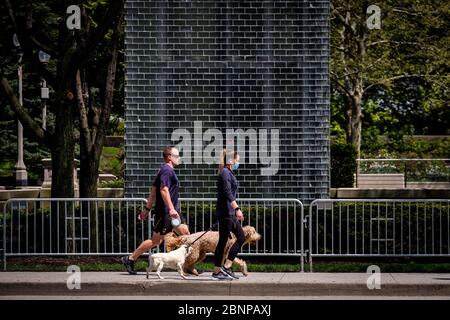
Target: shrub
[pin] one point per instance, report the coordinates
(118, 183)
(343, 164)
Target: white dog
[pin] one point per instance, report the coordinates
(173, 259)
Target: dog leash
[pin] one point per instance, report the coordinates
(213, 226)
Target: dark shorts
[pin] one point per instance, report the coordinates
(162, 223)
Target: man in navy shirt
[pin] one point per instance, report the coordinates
(164, 195)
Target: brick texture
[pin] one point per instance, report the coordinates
(229, 64)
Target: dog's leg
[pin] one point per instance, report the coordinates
(201, 257)
(189, 269)
(158, 271)
(150, 265)
(180, 270)
(242, 265)
(190, 261)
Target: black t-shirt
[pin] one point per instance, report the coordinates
(166, 178)
(227, 187)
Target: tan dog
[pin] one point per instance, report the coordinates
(207, 244)
(174, 260)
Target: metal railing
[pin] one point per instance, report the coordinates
(109, 226)
(279, 221)
(71, 226)
(379, 228)
(334, 228)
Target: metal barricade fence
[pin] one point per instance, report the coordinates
(379, 228)
(109, 226)
(279, 221)
(71, 226)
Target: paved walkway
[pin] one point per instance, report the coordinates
(255, 285)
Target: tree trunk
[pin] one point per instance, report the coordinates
(89, 164)
(92, 138)
(354, 117)
(63, 153)
(92, 133)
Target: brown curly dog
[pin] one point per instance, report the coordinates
(207, 244)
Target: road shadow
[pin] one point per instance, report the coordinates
(189, 278)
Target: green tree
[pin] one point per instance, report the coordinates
(95, 101)
(411, 45)
(42, 26)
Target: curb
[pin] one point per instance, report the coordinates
(220, 289)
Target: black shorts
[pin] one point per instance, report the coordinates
(162, 223)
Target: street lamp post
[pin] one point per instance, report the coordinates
(44, 59)
(44, 96)
(21, 171)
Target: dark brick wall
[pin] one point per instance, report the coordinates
(229, 64)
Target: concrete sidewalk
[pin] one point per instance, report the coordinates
(256, 284)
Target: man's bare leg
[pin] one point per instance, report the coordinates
(146, 246)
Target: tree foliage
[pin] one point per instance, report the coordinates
(402, 67)
(42, 26)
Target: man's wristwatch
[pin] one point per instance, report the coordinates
(237, 209)
(147, 208)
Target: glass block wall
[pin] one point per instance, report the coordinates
(202, 74)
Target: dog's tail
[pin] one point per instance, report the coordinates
(172, 241)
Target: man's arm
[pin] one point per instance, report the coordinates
(150, 202)
(165, 195)
(151, 198)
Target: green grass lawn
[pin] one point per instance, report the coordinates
(113, 264)
(109, 161)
